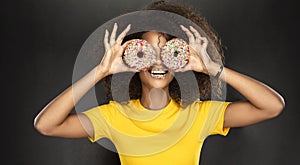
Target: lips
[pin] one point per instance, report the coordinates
(158, 73)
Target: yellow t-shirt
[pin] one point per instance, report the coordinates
(172, 135)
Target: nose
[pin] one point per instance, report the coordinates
(158, 58)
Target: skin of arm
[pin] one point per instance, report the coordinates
(56, 119)
(262, 103)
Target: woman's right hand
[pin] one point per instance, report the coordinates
(112, 62)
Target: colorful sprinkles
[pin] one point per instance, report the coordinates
(175, 54)
(139, 54)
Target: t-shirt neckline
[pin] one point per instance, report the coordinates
(170, 105)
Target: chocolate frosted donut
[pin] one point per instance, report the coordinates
(175, 54)
(139, 54)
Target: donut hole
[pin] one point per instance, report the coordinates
(175, 54)
(140, 54)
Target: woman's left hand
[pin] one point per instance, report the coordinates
(199, 59)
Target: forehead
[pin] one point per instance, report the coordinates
(154, 37)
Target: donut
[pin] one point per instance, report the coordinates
(175, 54)
(139, 54)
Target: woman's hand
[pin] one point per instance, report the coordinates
(111, 62)
(199, 59)
(262, 101)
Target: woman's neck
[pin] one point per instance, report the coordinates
(155, 98)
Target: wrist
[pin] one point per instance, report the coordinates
(100, 73)
(219, 72)
(214, 68)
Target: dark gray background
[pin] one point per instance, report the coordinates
(40, 42)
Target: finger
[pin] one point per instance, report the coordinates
(205, 42)
(192, 51)
(184, 69)
(113, 35)
(106, 45)
(188, 33)
(133, 70)
(197, 34)
(122, 48)
(123, 34)
(179, 70)
(125, 44)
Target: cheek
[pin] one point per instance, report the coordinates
(143, 75)
(170, 77)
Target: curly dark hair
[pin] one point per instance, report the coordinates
(205, 83)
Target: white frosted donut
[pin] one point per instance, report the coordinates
(139, 54)
(175, 54)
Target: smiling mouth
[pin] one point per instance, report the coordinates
(158, 73)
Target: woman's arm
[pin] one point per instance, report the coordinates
(55, 119)
(262, 101)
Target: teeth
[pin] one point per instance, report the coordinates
(158, 74)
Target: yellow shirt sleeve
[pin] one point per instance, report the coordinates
(213, 112)
(219, 129)
(99, 123)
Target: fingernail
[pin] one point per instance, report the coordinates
(106, 31)
(129, 26)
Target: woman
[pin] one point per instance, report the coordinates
(153, 127)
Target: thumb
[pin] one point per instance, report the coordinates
(124, 45)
